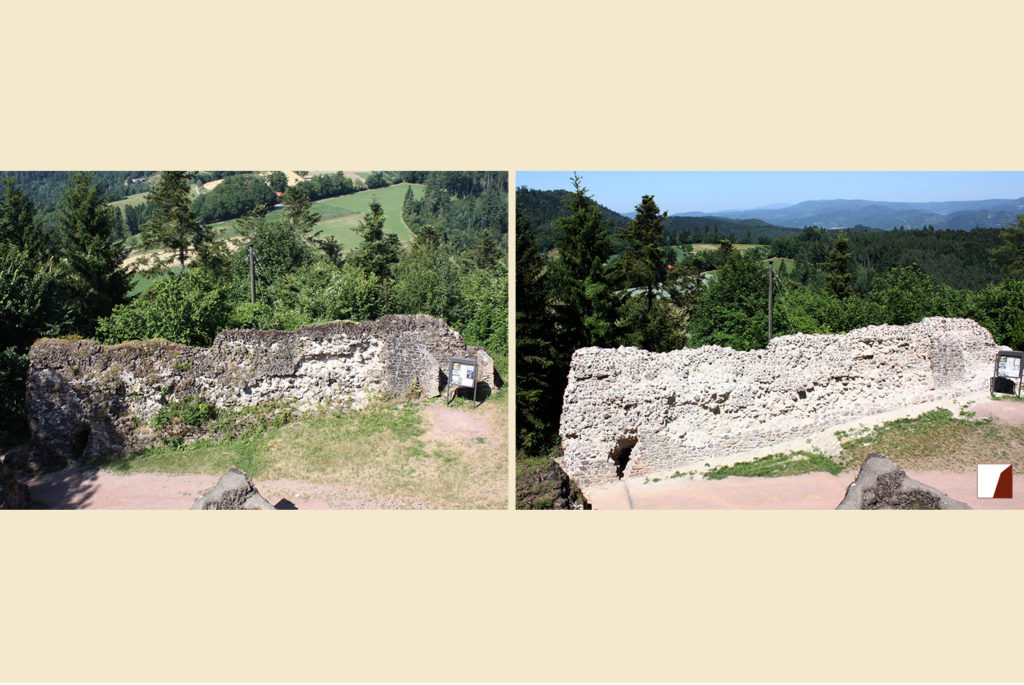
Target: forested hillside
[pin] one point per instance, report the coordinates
(546, 207)
(588, 292)
(70, 277)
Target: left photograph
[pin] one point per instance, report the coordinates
(253, 339)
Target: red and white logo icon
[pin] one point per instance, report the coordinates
(995, 481)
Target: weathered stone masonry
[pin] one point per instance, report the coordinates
(629, 411)
(84, 398)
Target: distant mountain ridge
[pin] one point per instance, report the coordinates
(543, 208)
(957, 214)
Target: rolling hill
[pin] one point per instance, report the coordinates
(960, 215)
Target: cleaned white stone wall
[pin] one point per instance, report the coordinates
(675, 409)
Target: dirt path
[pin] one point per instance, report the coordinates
(1009, 410)
(76, 488)
(138, 256)
(457, 426)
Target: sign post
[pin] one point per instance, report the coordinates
(462, 373)
(1009, 372)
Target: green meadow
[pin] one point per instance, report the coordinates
(339, 216)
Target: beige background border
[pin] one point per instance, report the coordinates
(505, 595)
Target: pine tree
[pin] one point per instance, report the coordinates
(93, 254)
(840, 277)
(173, 225)
(378, 251)
(644, 262)
(18, 225)
(724, 251)
(485, 252)
(537, 391)
(585, 300)
(408, 204)
(1010, 255)
(298, 211)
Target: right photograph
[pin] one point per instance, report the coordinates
(769, 340)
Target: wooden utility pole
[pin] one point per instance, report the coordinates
(252, 275)
(771, 282)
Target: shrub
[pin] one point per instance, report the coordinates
(191, 411)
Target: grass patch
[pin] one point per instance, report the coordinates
(937, 440)
(1001, 396)
(380, 450)
(131, 200)
(776, 465)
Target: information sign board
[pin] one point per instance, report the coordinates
(462, 373)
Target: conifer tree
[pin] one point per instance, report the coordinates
(378, 251)
(298, 211)
(840, 277)
(537, 390)
(1010, 255)
(485, 252)
(408, 203)
(644, 262)
(173, 225)
(92, 252)
(584, 300)
(18, 225)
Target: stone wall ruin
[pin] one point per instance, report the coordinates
(631, 412)
(87, 399)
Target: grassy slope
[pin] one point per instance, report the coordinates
(340, 215)
(130, 201)
(936, 441)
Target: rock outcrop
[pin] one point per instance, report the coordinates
(13, 494)
(234, 490)
(540, 484)
(629, 411)
(881, 484)
(84, 398)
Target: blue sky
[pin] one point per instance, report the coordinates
(709, 191)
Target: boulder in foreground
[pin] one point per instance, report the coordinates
(13, 494)
(234, 490)
(881, 484)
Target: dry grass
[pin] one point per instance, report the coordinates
(938, 441)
